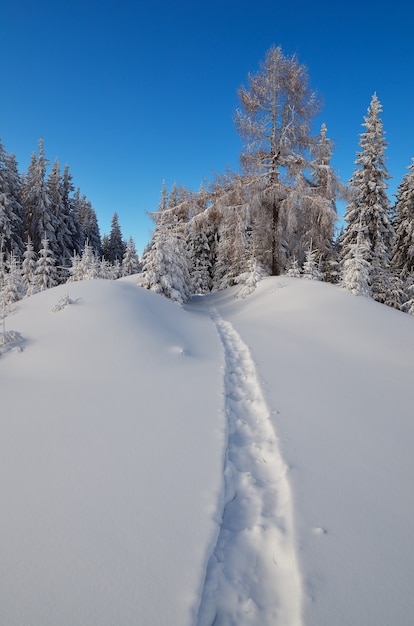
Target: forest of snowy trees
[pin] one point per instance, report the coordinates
(277, 215)
(49, 232)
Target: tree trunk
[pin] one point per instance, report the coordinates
(275, 223)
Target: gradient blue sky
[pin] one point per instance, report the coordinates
(131, 93)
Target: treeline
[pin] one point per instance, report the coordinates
(278, 215)
(49, 231)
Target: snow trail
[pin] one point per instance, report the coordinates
(252, 576)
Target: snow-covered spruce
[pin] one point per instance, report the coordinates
(253, 575)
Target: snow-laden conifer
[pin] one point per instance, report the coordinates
(39, 218)
(46, 275)
(356, 268)
(367, 214)
(293, 269)
(29, 268)
(165, 262)
(311, 269)
(130, 261)
(403, 252)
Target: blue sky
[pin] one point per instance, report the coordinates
(132, 93)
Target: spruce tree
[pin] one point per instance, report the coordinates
(11, 208)
(367, 215)
(40, 222)
(165, 262)
(62, 248)
(116, 245)
(29, 268)
(130, 262)
(46, 274)
(402, 261)
(88, 222)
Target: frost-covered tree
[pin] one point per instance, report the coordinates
(29, 268)
(46, 274)
(311, 269)
(275, 121)
(11, 208)
(13, 289)
(88, 222)
(63, 245)
(402, 261)
(40, 222)
(200, 263)
(367, 214)
(165, 262)
(249, 279)
(356, 268)
(130, 261)
(293, 269)
(88, 267)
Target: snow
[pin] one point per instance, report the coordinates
(247, 461)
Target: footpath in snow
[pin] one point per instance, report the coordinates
(252, 575)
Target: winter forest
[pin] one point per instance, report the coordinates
(277, 215)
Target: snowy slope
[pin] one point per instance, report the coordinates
(337, 372)
(244, 461)
(111, 456)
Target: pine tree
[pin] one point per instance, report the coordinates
(368, 212)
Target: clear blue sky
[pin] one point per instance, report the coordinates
(129, 93)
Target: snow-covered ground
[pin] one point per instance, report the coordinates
(243, 462)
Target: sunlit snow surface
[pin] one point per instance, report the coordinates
(245, 461)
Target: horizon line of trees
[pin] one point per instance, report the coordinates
(276, 216)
